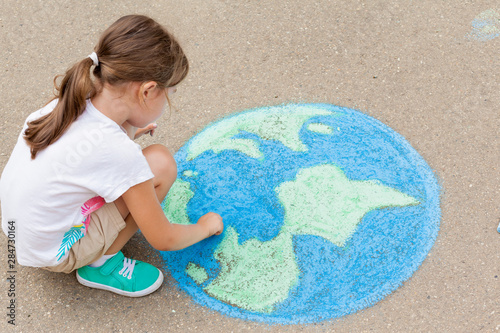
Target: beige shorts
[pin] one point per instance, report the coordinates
(105, 224)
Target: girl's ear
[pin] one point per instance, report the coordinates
(147, 88)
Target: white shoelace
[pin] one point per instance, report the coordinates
(128, 268)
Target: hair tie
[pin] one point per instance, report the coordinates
(94, 58)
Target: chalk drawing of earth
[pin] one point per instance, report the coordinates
(326, 212)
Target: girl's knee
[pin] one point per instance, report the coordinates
(161, 161)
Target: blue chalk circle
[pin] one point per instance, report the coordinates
(326, 212)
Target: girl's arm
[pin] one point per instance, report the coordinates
(143, 204)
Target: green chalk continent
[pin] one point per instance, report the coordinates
(320, 128)
(190, 173)
(322, 201)
(277, 123)
(197, 273)
(255, 275)
(175, 207)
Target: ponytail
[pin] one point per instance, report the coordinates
(76, 86)
(133, 49)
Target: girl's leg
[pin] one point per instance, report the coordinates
(122, 275)
(164, 169)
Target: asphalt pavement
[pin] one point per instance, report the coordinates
(427, 69)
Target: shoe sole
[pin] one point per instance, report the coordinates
(157, 284)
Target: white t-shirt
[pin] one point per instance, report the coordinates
(49, 198)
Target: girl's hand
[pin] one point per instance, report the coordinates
(212, 222)
(148, 129)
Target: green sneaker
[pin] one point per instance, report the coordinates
(123, 276)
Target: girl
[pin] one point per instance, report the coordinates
(76, 187)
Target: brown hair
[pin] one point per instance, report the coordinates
(133, 49)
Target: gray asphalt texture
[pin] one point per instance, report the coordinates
(409, 64)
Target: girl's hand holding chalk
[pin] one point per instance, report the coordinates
(148, 129)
